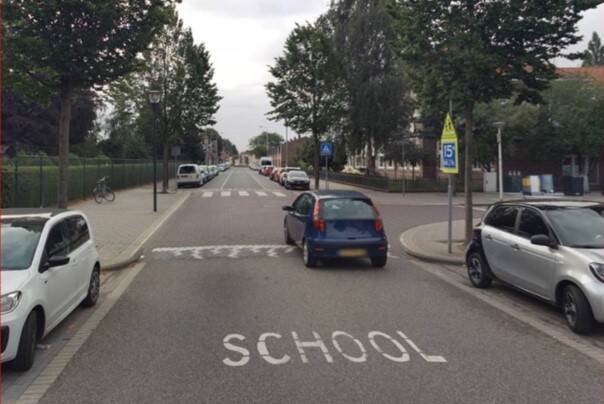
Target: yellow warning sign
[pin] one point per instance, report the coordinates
(449, 154)
(449, 132)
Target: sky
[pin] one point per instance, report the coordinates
(245, 36)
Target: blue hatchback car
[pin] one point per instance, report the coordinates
(336, 224)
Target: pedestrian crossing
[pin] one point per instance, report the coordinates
(242, 193)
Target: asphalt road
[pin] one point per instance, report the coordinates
(193, 325)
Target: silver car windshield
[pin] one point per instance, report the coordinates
(19, 241)
(579, 228)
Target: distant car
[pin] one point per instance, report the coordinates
(50, 265)
(189, 174)
(275, 174)
(553, 250)
(264, 163)
(297, 179)
(332, 224)
(283, 174)
(204, 174)
(266, 170)
(214, 170)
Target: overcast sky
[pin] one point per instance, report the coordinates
(245, 36)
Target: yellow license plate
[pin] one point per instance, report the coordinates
(353, 252)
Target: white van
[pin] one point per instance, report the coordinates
(189, 174)
(265, 162)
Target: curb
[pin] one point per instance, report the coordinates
(114, 266)
(138, 253)
(417, 253)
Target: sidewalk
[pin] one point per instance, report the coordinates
(429, 242)
(121, 227)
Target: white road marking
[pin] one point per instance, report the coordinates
(260, 193)
(240, 355)
(208, 194)
(255, 178)
(225, 193)
(244, 193)
(279, 194)
(227, 179)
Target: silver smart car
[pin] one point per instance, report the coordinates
(553, 250)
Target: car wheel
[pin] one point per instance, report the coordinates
(379, 262)
(288, 239)
(577, 310)
(478, 271)
(309, 258)
(94, 288)
(27, 344)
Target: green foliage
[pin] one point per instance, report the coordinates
(182, 71)
(257, 144)
(377, 106)
(594, 55)
(304, 91)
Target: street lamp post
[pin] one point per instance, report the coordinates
(499, 126)
(154, 100)
(286, 140)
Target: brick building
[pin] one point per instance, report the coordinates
(289, 152)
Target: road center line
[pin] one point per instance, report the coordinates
(257, 181)
(227, 179)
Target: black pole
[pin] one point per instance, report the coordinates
(155, 128)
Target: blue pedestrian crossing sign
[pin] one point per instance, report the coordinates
(326, 149)
(449, 153)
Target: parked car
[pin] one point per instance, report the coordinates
(283, 174)
(189, 174)
(553, 250)
(331, 224)
(50, 265)
(297, 179)
(204, 174)
(214, 170)
(275, 174)
(266, 170)
(265, 162)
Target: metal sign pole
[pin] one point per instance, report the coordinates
(450, 227)
(326, 173)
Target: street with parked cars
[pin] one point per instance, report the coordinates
(252, 281)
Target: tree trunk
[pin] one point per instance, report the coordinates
(317, 164)
(66, 97)
(165, 168)
(469, 216)
(370, 158)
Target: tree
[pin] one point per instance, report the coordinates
(304, 91)
(594, 55)
(571, 121)
(378, 107)
(28, 122)
(182, 71)
(257, 144)
(70, 46)
(484, 50)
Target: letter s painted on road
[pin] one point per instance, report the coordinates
(245, 354)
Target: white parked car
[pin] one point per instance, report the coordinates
(189, 174)
(49, 267)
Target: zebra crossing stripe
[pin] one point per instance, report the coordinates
(261, 193)
(225, 193)
(207, 194)
(279, 194)
(244, 193)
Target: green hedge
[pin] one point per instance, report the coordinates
(36, 185)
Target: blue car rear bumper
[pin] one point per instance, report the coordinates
(329, 248)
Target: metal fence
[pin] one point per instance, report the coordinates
(383, 183)
(31, 181)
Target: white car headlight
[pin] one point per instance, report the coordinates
(10, 301)
(598, 270)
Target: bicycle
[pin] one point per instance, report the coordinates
(102, 191)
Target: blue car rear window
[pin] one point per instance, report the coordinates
(347, 208)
